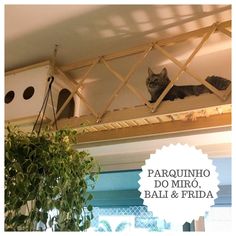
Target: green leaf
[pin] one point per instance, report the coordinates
(32, 154)
(17, 166)
(38, 204)
(90, 207)
(86, 224)
(90, 197)
(32, 168)
(19, 177)
(31, 196)
(21, 219)
(18, 204)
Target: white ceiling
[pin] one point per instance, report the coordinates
(85, 31)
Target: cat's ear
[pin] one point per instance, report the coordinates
(164, 72)
(150, 72)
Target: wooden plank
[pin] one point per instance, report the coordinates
(215, 121)
(131, 123)
(159, 119)
(140, 122)
(146, 120)
(227, 92)
(93, 128)
(135, 122)
(225, 24)
(116, 125)
(192, 34)
(225, 31)
(188, 104)
(165, 118)
(152, 120)
(141, 48)
(171, 117)
(123, 124)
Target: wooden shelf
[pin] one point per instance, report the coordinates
(191, 113)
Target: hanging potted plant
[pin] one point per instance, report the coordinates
(43, 174)
(46, 179)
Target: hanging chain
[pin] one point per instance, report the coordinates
(44, 106)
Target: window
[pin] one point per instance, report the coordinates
(130, 218)
(118, 206)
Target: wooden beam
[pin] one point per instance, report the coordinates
(192, 34)
(188, 104)
(227, 92)
(66, 79)
(215, 121)
(225, 31)
(141, 48)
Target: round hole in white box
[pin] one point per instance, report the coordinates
(9, 96)
(28, 93)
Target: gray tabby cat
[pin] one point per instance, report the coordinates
(156, 83)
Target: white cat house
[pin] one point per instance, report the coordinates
(25, 90)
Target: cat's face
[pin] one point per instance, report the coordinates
(157, 81)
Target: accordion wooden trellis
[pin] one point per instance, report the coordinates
(105, 120)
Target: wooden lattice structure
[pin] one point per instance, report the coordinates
(149, 119)
(150, 114)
